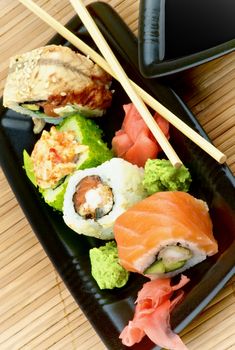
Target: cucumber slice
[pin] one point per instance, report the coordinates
(156, 267)
(69, 109)
(55, 197)
(160, 267)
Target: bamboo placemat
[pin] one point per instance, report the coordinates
(37, 311)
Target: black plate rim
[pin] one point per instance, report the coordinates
(169, 67)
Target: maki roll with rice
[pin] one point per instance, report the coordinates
(164, 234)
(74, 144)
(95, 197)
(51, 82)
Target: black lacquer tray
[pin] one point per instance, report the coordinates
(109, 311)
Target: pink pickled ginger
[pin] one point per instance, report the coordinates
(152, 315)
(135, 142)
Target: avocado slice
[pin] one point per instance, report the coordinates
(171, 266)
(28, 167)
(30, 106)
(156, 267)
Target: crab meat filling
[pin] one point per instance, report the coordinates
(93, 199)
(55, 155)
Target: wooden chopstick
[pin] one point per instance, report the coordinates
(153, 103)
(124, 81)
(144, 112)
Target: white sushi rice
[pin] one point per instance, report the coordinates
(147, 259)
(125, 180)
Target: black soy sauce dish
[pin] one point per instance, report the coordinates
(110, 310)
(175, 35)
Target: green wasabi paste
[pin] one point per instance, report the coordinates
(105, 267)
(160, 175)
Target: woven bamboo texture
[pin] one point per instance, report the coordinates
(37, 311)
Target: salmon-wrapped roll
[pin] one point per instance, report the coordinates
(164, 234)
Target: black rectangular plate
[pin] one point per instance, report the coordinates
(69, 251)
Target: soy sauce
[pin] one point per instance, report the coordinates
(196, 25)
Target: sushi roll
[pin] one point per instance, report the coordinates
(74, 144)
(95, 197)
(51, 82)
(164, 234)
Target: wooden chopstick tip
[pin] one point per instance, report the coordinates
(222, 158)
(177, 164)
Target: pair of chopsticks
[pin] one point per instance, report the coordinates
(137, 95)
